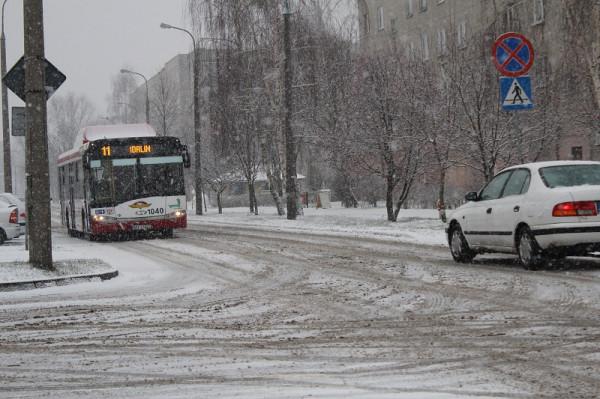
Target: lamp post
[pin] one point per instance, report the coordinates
(5, 131)
(147, 96)
(197, 131)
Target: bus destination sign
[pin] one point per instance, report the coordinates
(134, 149)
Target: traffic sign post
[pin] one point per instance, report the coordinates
(513, 57)
(15, 78)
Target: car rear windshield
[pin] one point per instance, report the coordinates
(571, 175)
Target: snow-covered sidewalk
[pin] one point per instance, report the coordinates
(71, 260)
(421, 226)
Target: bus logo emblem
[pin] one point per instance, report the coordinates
(140, 205)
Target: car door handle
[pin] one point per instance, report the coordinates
(489, 210)
(517, 208)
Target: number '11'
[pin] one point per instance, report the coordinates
(106, 151)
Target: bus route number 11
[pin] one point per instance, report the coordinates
(105, 151)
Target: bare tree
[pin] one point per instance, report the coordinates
(382, 143)
(165, 105)
(119, 107)
(67, 115)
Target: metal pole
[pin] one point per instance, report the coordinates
(197, 131)
(147, 101)
(290, 148)
(197, 127)
(38, 182)
(5, 130)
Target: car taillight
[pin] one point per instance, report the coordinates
(579, 208)
(13, 217)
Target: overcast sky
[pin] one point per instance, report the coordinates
(91, 40)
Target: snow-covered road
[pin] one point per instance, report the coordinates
(238, 310)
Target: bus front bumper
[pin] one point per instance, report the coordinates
(109, 226)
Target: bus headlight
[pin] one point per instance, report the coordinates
(179, 213)
(98, 218)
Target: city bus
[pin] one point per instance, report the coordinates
(123, 179)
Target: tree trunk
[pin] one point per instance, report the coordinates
(251, 196)
(389, 198)
(441, 204)
(219, 203)
(275, 194)
(254, 201)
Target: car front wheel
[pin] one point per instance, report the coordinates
(530, 253)
(459, 247)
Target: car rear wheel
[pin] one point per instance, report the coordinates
(2, 237)
(459, 247)
(530, 253)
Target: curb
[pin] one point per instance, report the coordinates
(23, 285)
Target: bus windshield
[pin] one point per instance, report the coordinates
(115, 181)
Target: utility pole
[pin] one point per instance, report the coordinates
(290, 145)
(36, 139)
(197, 131)
(5, 130)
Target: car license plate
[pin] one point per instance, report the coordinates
(140, 227)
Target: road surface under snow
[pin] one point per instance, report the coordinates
(335, 305)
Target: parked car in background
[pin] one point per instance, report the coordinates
(9, 225)
(538, 210)
(11, 199)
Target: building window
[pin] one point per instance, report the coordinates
(422, 5)
(461, 35)
(538, 11)
(577, 153)
(441, 42)
(393, 26)
(409, 8)
(511, 16)
(380, 19)
(425, 46)
(366, 23)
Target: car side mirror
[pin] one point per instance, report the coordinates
(472, 196)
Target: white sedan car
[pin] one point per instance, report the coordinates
(9, 222)
(538, 210)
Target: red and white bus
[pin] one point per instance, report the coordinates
(123, 179)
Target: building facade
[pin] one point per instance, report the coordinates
(562, 32)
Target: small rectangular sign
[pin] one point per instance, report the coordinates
(18, 121)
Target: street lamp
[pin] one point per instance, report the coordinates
(5, 131)
(147, 96)
(197, 131)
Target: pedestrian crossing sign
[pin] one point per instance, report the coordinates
(515, 93)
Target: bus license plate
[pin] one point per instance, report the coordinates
(140, 227)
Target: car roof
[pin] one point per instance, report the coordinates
(545, 164)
